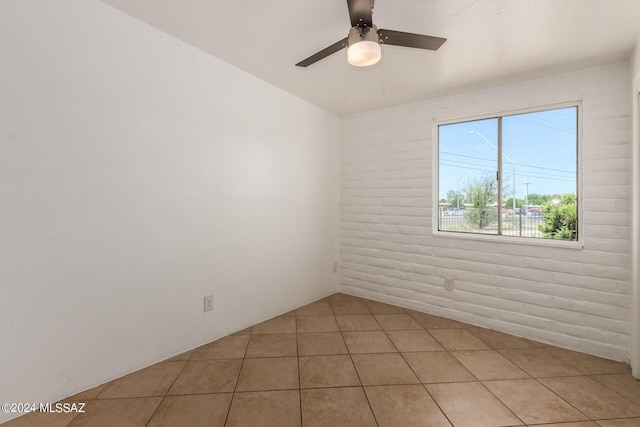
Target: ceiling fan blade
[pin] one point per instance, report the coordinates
(419, 41)
(323, 53)
(360, 12)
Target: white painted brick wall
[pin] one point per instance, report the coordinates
(577, 299)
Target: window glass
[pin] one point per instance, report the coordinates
(514, 175)
(468, 176)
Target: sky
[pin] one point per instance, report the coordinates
(539, 147)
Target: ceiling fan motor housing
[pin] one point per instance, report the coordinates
(359, 34)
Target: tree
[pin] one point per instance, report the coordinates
(482, 194)
(509, 203)
(454, 198)
(561, 218)
(541, 199)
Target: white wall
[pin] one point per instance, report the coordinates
(635, 323)
(578, 299)
(138, 174)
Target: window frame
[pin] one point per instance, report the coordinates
(572, 244)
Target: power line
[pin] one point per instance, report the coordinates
(517, 164)
(566, 128)
(462, 165)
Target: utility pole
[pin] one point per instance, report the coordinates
(458, 190)
(507, 158)
(526, 194)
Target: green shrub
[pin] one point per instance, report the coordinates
(561, 218)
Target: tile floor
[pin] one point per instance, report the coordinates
(347, 361)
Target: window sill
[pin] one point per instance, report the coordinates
(552, 243)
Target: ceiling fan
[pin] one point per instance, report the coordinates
(364, 39)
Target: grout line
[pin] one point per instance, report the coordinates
(477, 380)
(363, 301)
(623, 396)
(168, 388)
(444, 414)
(233, 395)
(354, 365)
(424, 386)
(298, 360)
(562, 398)
(501, 402)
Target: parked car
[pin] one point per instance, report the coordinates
(453, 212)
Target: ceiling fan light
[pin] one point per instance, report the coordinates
(364, 48)
(364, 53)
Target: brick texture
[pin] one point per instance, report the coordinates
(574, 298)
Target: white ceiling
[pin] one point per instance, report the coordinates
(489, 41)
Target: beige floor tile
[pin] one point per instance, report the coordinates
(315, 308)
(356, 307)
(588, 364)
(340, 298)
(429, 321)
(591, 397)
(285, 324)
(576, 424)
(368, 342)
(405, 405)
(230, 347)
(327, 371)
(202, 410)
(246, 331)
(628, 422)
(152, 381)
(498, 340)
(265, 409)
(414, 340)
(391, 322)
(207, 376)
(319, 323)
(272, 345)
(471, 405)
(538, 362)
(39, 419)
(253, 377)
(133, 412)
(383, 369)
(336, 407)
(437, 367)
(358, 322)
(382, 308)
(489, 365)
(273, 373)
(533, 403)
(623, 384)
(321, 343)
(458, 339)
(87, 395)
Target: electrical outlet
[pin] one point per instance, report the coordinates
(448, 283)
(335, 267)
(208, 303)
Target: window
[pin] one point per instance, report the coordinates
(513, 175)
